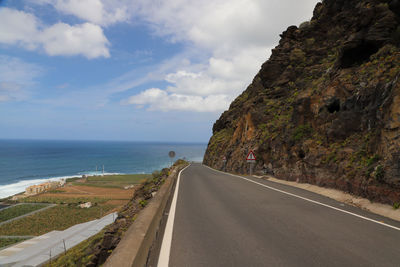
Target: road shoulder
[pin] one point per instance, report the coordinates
(363, 203)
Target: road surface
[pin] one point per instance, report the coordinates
(225, 220)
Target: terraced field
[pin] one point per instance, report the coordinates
(19, 210)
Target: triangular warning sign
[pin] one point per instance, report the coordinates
(251, 156)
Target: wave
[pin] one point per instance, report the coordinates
(19, 187)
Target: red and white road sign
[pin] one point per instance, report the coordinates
(224, 158)
(251, 157)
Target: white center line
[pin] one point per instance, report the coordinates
(309, 200)
(163, 259)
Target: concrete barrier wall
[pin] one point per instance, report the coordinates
(135, 245)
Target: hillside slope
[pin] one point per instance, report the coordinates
(325, 108)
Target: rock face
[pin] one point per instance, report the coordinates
(325, 108)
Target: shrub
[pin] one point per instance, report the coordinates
(156, 174)
(379, 173)
(302, 132)
(310, 42)
(372, 160)
(369, 171)
(297, 55)
(143, 203)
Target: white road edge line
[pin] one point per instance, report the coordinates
(163, 259)
(310, 200)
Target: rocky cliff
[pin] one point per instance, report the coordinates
(325, 107)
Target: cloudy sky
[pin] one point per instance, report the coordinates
(143, 70)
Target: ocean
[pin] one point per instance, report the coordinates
(28, 162)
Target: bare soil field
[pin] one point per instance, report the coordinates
(73, 191)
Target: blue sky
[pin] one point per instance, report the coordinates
(142, 70)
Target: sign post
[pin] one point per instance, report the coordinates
(251, 158)
(171, 154)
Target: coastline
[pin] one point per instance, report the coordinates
(31, 162)
(9, 190)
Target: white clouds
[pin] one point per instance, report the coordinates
(229, 23)
(224, 42)
(236, 36)
(199, 84)
(24, 29)
(95, 11)
(16, 78)
(223, 24)
(89, 10)
(86, 39)
(17, 27)
(156, 99)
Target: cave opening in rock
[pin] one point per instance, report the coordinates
(355, 56)
(334, 106)
(301, 154)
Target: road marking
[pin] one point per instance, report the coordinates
(309, 200)
(163, 259)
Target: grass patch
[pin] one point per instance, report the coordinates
(55, 191)
(100, 185)
(73, 179)
(19, 210)
(56, 218)
(126, 178)
(5, 242)
(114, 181)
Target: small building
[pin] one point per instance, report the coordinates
(34, 189)
(85, 205)
(129, 187)
(37, 189)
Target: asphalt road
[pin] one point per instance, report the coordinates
(222, 220)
